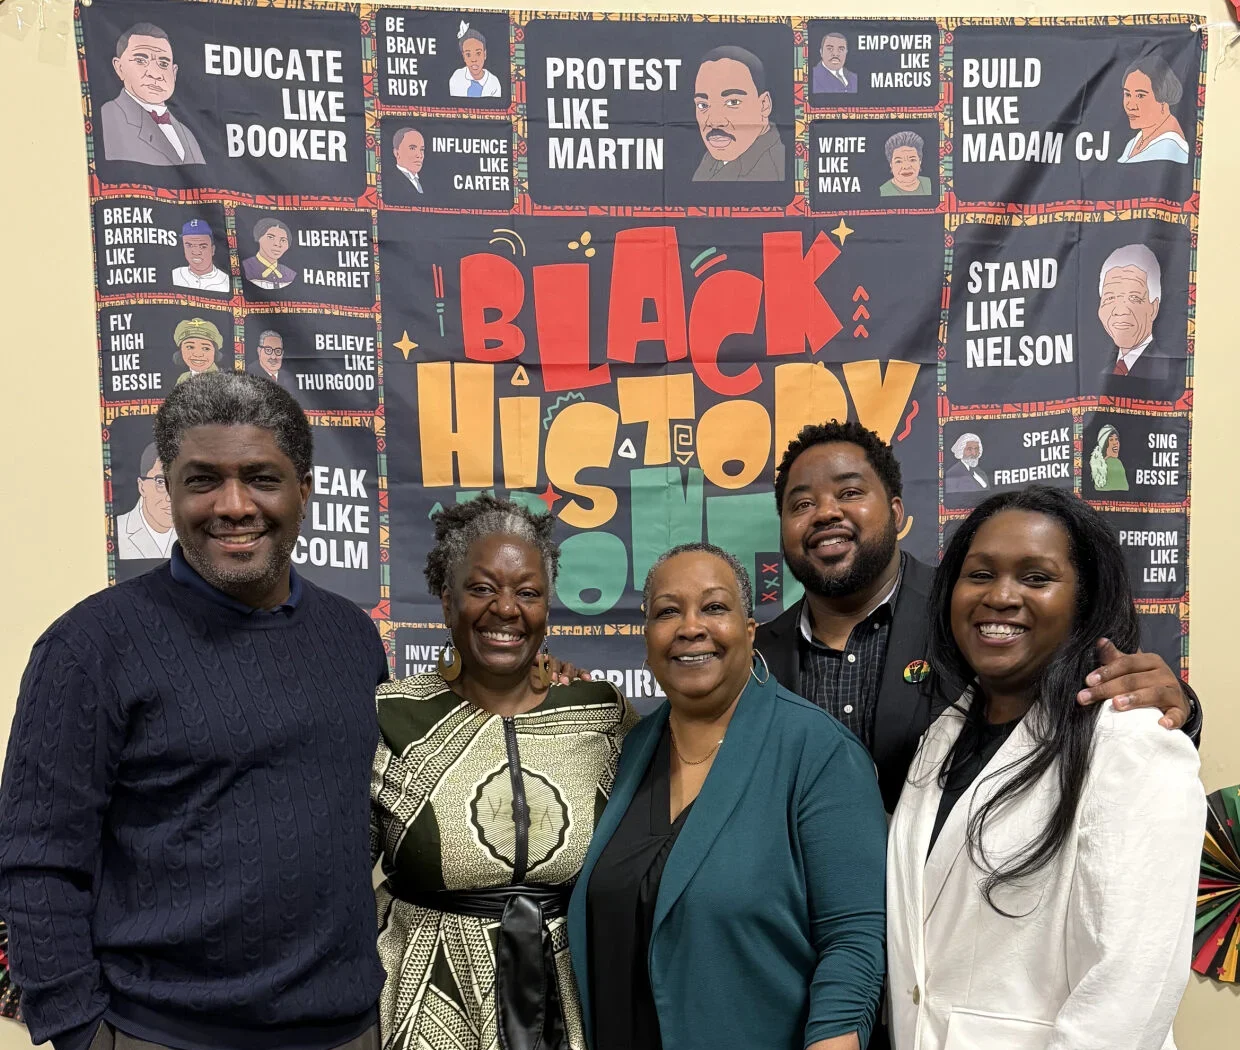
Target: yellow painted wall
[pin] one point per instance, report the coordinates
(52, 525)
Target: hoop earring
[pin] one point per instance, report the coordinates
(543, 675)
(753, 668)
(449, 667)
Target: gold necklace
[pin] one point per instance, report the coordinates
(689, 761)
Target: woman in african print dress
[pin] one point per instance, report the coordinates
(485, 792)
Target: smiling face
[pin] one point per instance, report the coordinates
(237, 504)
(147, 70)
(198, 354)
(411, 153)
(475, 55)
(156, 506)
(1125, 309)
(1112, 449)
(1014, 602)
(838, 526)
(834, 52)
(699, 638)
(730, 112)
(273, 243)
(905, 167)
(496, 608)
(199, 252)
(1141, 108)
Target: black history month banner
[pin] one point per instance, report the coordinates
(608, 265)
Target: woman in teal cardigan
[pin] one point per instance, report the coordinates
(732, 895)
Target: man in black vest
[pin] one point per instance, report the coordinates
(856, 643)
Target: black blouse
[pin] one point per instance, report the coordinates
(620, 903)
(979, 742)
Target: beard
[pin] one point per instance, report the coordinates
(971, 461)
(868, 563)
(241, 574)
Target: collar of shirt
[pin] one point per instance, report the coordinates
(840, 76)
(806, 623)
(157, 107)
(162, 540)
(185, 574)
(1130, 357)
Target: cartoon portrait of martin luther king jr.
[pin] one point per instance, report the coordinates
(733, 110)
(137, 125)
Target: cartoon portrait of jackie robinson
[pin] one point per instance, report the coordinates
(734, 117)
(264, 269)
(138, 125)
(1105, 466)
(198, 348)
(1151, 88)
(904, 152)
(473, 79)
(199, 271)
(146, 531)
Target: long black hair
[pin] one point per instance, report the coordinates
(1062, 729)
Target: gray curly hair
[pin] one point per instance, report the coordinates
(742, 577)
(459, 526)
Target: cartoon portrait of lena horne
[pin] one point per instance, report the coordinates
(1129, 295)
(198, 348)
(1151, 88)
(904, 151)
(473, 79)
(1104, 462)
(734, 117)
(137, 125)
(264, 269)
(146, 531)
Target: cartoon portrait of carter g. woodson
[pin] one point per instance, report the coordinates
(137, 125)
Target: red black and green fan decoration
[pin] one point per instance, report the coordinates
(1216, 932)
(8, 991)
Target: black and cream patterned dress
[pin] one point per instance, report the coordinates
(442, 819)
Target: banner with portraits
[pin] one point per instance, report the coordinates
(608, 265)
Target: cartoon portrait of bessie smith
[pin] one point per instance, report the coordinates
(137, 125)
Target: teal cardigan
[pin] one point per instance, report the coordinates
(769, 923)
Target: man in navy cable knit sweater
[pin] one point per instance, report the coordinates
(184, 858)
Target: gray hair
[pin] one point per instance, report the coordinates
(399, 137)
(742, 577)
(1143, 259)
(1163, 82)
(270, 331)
(964, 439)
(150, 455)
(458, 527)
(902, 139)
(234, 399)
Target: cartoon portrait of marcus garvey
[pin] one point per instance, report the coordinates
(138, 125)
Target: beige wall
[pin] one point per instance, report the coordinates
(51, 531)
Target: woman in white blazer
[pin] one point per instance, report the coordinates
(1042, 862)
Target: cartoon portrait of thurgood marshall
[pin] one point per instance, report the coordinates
(963, 475)
(269, 359)
(409, 148)
(1104, 462)
(1151, 88)
(734, 116)
(1129, 294)
(264, 269)
(198, 348)
(146, 531)
(904, 152)
(830, 75)
(137, 125)
(199, 271)
(473, 79)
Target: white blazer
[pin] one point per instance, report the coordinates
(1098, 955)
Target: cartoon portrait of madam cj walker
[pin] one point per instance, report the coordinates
(473, 79)
(264, 269)
(1151, 88)
(137, 125)
(734, 117)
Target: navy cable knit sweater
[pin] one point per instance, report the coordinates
(184, 847)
